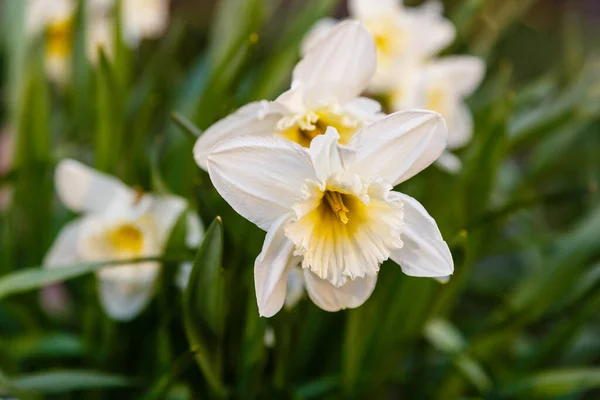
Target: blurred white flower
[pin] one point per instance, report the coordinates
(325, 88)
(331, 208)
(100, 29)
(117, 222)
(442, 85)
(402, 34)
(295, 288)
(55, 20)
(269, 337)
(143, 19)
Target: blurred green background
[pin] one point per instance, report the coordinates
(518, 320)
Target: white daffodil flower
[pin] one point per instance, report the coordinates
(143, 19)
(331, 208)
(325, 88)
(442, 85)
(402, 34)
(55, 19)
(117, 222)
(100, 29)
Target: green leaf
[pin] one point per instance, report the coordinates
(35, 278)
(109, 116)
(33, 347)
(68, 381)
(446, 338)
(187, 126)
(203, 306)
(554, 383)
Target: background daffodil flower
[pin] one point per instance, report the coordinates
(325, 91)
(116, 222)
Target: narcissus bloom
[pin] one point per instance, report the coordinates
(117, 222)
(55, 20)
(441, 85)
(143, 19)
(331, 208)
(402, 34)
(325, 92)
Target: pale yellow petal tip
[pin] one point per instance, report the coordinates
(443, 279)
(219, 219)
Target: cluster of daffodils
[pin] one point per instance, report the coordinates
(408, 72)
(54, 21)
(117, 223)
(315, 169)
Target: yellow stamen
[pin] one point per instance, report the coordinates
(335, 201)
(58, 42)
(127, 237)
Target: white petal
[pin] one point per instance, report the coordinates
(317, 32)
(272, 267)
(260, 177)
(424, 253)
(368, 9)
(344, 61)
(365, 109)
(449, 162)
(183, 275)
(460, 126)
(400, 145)
(258, 118)
(63, 251)
(195, 230)
(328, 156)
(83, 189)
(124, 297)
(430, 31)
(166, 210)
(464, 73)
(351, 295)
(295, 287)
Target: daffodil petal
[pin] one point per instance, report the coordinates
(63, 251)
(464, 73)
(425, 253)
(343, 62)
(272, 267)
(83, 189)
(195, 229)
(449, 162)
(351, 294)
(253, 119)
(123, 298)
(400, 145)
(460, 130)
(166, 210)
(430, 31)
(328, 156)
(260, 177)
(317, 32)
(368, 9)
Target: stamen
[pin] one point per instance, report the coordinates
(335, 201)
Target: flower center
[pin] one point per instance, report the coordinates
(388, 38)
(346, 233)
(336, 204)
(58, 41)
(436, 99)
(303, 129)
(127, 238)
